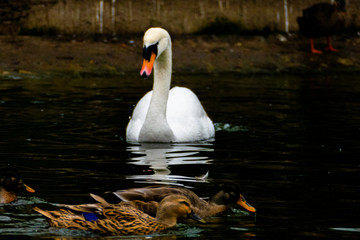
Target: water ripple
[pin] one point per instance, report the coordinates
(159, 158)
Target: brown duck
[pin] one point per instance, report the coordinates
(120, 219)
(10, 184)
(322, 19)
(228, 194)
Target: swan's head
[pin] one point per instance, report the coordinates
(156, 41)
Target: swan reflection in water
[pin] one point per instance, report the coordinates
(159, 156)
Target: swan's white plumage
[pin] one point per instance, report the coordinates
(185, 115)
(194, 127)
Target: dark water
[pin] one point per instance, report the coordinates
(291, 142)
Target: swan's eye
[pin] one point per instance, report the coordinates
(148, 50)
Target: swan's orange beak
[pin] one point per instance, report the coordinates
(147, 66)
(242, 202)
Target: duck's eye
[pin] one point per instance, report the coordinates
(185, 203)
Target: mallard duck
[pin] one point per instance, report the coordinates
(227, 194)
(10, 183)
(120, 219)
(322, 19)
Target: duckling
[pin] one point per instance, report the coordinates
(120, 219)
(10, 183)
(227, 194)
(322, 19)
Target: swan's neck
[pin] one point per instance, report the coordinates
(162, 80)
(156, 127)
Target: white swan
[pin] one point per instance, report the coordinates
(164, 115)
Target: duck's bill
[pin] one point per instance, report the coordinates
(242, 202)
(196, 217)
(26, 187)
(148, 66)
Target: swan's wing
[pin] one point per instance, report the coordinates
(138, 117)
(187, 117)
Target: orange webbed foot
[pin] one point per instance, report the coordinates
(315, 51)
(331, 49)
